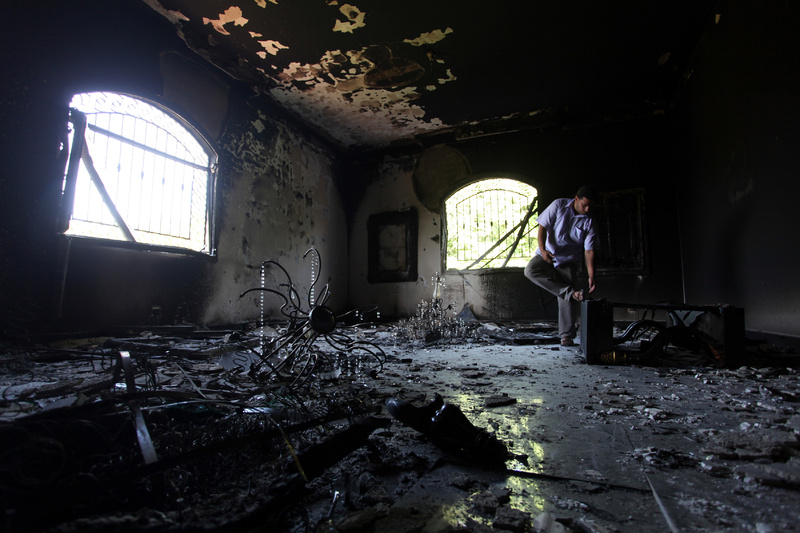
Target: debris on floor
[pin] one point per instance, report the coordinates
(182, 434)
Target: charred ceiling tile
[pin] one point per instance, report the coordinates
(394, 72)
(390, 71)
(173, 16)
(297, 72)
(373, 67)
(271, 47)
(429, 38)
(232, 14)
(347, 94)
(449, 78)
(281, 41)
(358, 96)
(363, 117)
(355, 19)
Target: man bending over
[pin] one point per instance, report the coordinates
(566, 232)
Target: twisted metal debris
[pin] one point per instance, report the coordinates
(433, 320)
(297, 352)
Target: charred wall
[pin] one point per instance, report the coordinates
(613, 154)
(738, 127)
(275, 189)
(278, 199)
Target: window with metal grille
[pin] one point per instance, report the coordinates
(491, 224)
(136, 172)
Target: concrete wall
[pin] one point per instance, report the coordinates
(276, 194)
(278, 200)
(391, 190)
(737, 161)
(719, 173)
(556, 160)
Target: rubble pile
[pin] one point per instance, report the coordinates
(589, 447)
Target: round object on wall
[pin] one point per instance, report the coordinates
(438, 169)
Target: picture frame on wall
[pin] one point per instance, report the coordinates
(392, 246)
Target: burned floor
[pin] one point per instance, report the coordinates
(182, 429)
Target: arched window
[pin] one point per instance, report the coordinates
(137, 172)
(491, 224)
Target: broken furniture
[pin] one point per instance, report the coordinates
(717, 329)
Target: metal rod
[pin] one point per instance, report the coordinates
(98, 183)
(78, 120)
(495, 245)
(141, 146)
(142, 434)
(523, 224)
(551, 477)
(667, 307)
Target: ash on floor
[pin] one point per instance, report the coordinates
(682, 446)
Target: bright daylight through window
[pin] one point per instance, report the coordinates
(136, 173)
(491, 224)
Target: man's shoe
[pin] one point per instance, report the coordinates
(567, 341)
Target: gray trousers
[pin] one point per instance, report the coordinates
(560, 281)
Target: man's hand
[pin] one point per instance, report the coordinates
(542, 235)
(589, 254)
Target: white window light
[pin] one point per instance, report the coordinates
(137, 173)
(491, 224)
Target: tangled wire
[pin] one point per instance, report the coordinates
(296, 352)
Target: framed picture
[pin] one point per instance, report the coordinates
(393, 246)
(622, 229)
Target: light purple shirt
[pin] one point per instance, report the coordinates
(568, 233)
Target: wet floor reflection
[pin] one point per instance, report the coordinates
(518, 433)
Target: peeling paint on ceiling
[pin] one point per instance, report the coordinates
(173, 16)
(271, 47)
(371, 73)
(358, 93)
(355, 19)
(429, 38)
(381, 115)
(232, 14)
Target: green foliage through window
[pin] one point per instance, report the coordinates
(491, 224)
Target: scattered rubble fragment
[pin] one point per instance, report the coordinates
(580, 442)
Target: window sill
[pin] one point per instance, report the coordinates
(485, 271)
(93, 242)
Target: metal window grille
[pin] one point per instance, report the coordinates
(490, 224)
(143, 176)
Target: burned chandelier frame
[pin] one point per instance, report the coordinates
(295, 352)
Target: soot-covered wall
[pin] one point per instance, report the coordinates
(557, 160)
(275, 195)
(737, 163)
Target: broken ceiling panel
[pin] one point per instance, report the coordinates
(370, 73)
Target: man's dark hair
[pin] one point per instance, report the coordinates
(588, 192)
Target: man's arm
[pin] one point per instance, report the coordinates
(589, 256)
(542, 236)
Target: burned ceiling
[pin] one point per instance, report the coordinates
(369, 74)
